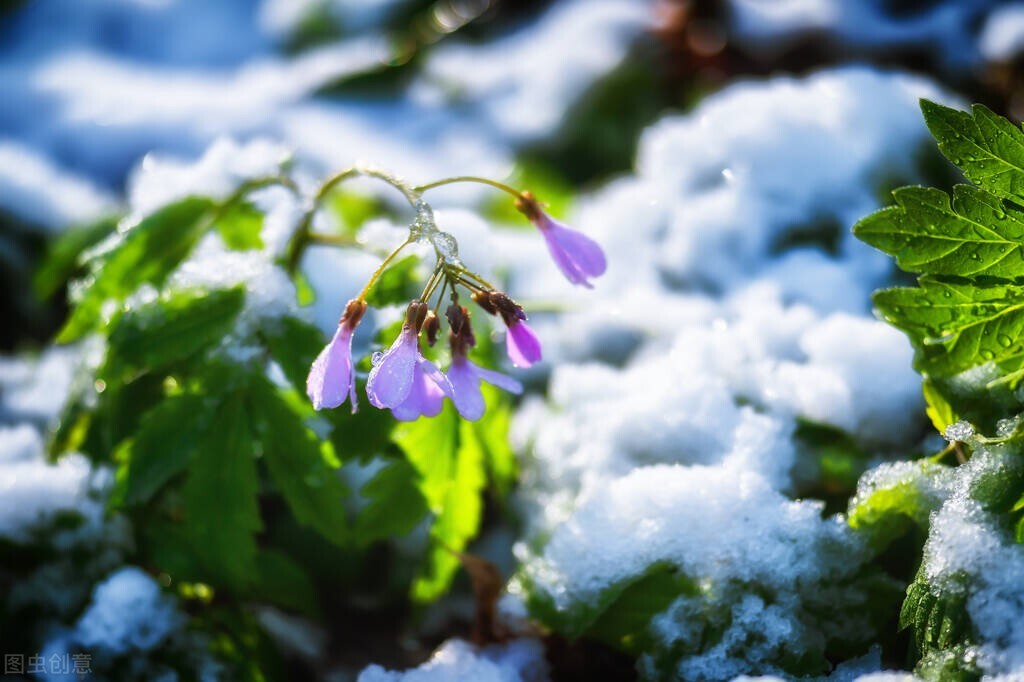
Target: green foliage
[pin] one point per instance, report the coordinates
(938, 619)
(65, 252)
(986, 147)
(170, 330)
(240, 226)
(966, 311)
(452, 477)
(147, 253)
(887, 513)
(621, 614)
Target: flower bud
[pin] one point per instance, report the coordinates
(431, 327)
(416, 315)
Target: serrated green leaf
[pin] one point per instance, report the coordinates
(958, 325)
(170, 329)
(304, 469)
(167, 437)
(148, 253)
(220, 493)
(976, 235)
(451, 479)
(394, 503)
(241, 227)
(986, 147)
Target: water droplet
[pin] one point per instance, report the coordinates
(1004, 340)
(959, 431)
(987, 354)
(376, 358)
(446, 246)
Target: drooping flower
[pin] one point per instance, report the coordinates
(521, 343)
(392, 375)
(331, 377)
(578, 256)
(465, 377)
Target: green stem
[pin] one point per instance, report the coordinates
(303, 232)
(468, 178)
(380, 269)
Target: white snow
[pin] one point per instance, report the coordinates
(1002, 37)
(521, 660)
(128, 613)
(32, 490)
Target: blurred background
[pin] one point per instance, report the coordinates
(631, 111)
(562, 89)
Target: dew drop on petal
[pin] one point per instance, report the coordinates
(376, 358)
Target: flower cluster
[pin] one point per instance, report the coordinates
(401, 378)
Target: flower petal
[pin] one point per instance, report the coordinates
(522, 345)
(426, 395)
(502, 381)
(468, 399)
(391, 379)
(584, 251)
(330, 378)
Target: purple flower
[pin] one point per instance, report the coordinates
(331, 377)
(392, 375)
(426, 394)
(522, 345)
(465, 377)
(578, 256)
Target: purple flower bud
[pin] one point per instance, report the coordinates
(465, 377)
(426, 395)
(331, 378)
(578, 256)
(391, 378)
(522, 345)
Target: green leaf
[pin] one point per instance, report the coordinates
(394, 503)
(938, 409)
(220, 493)
(451, 479)
(167, 437)
(171, 329)
(986, 147)
(62, 256)
(938, 618)
(353, 209)
(975, 236)
(281, 581)
(241, 226)
(887, 513)
(489, 435)
(304, 469)
(148, 252)
(958, 325)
